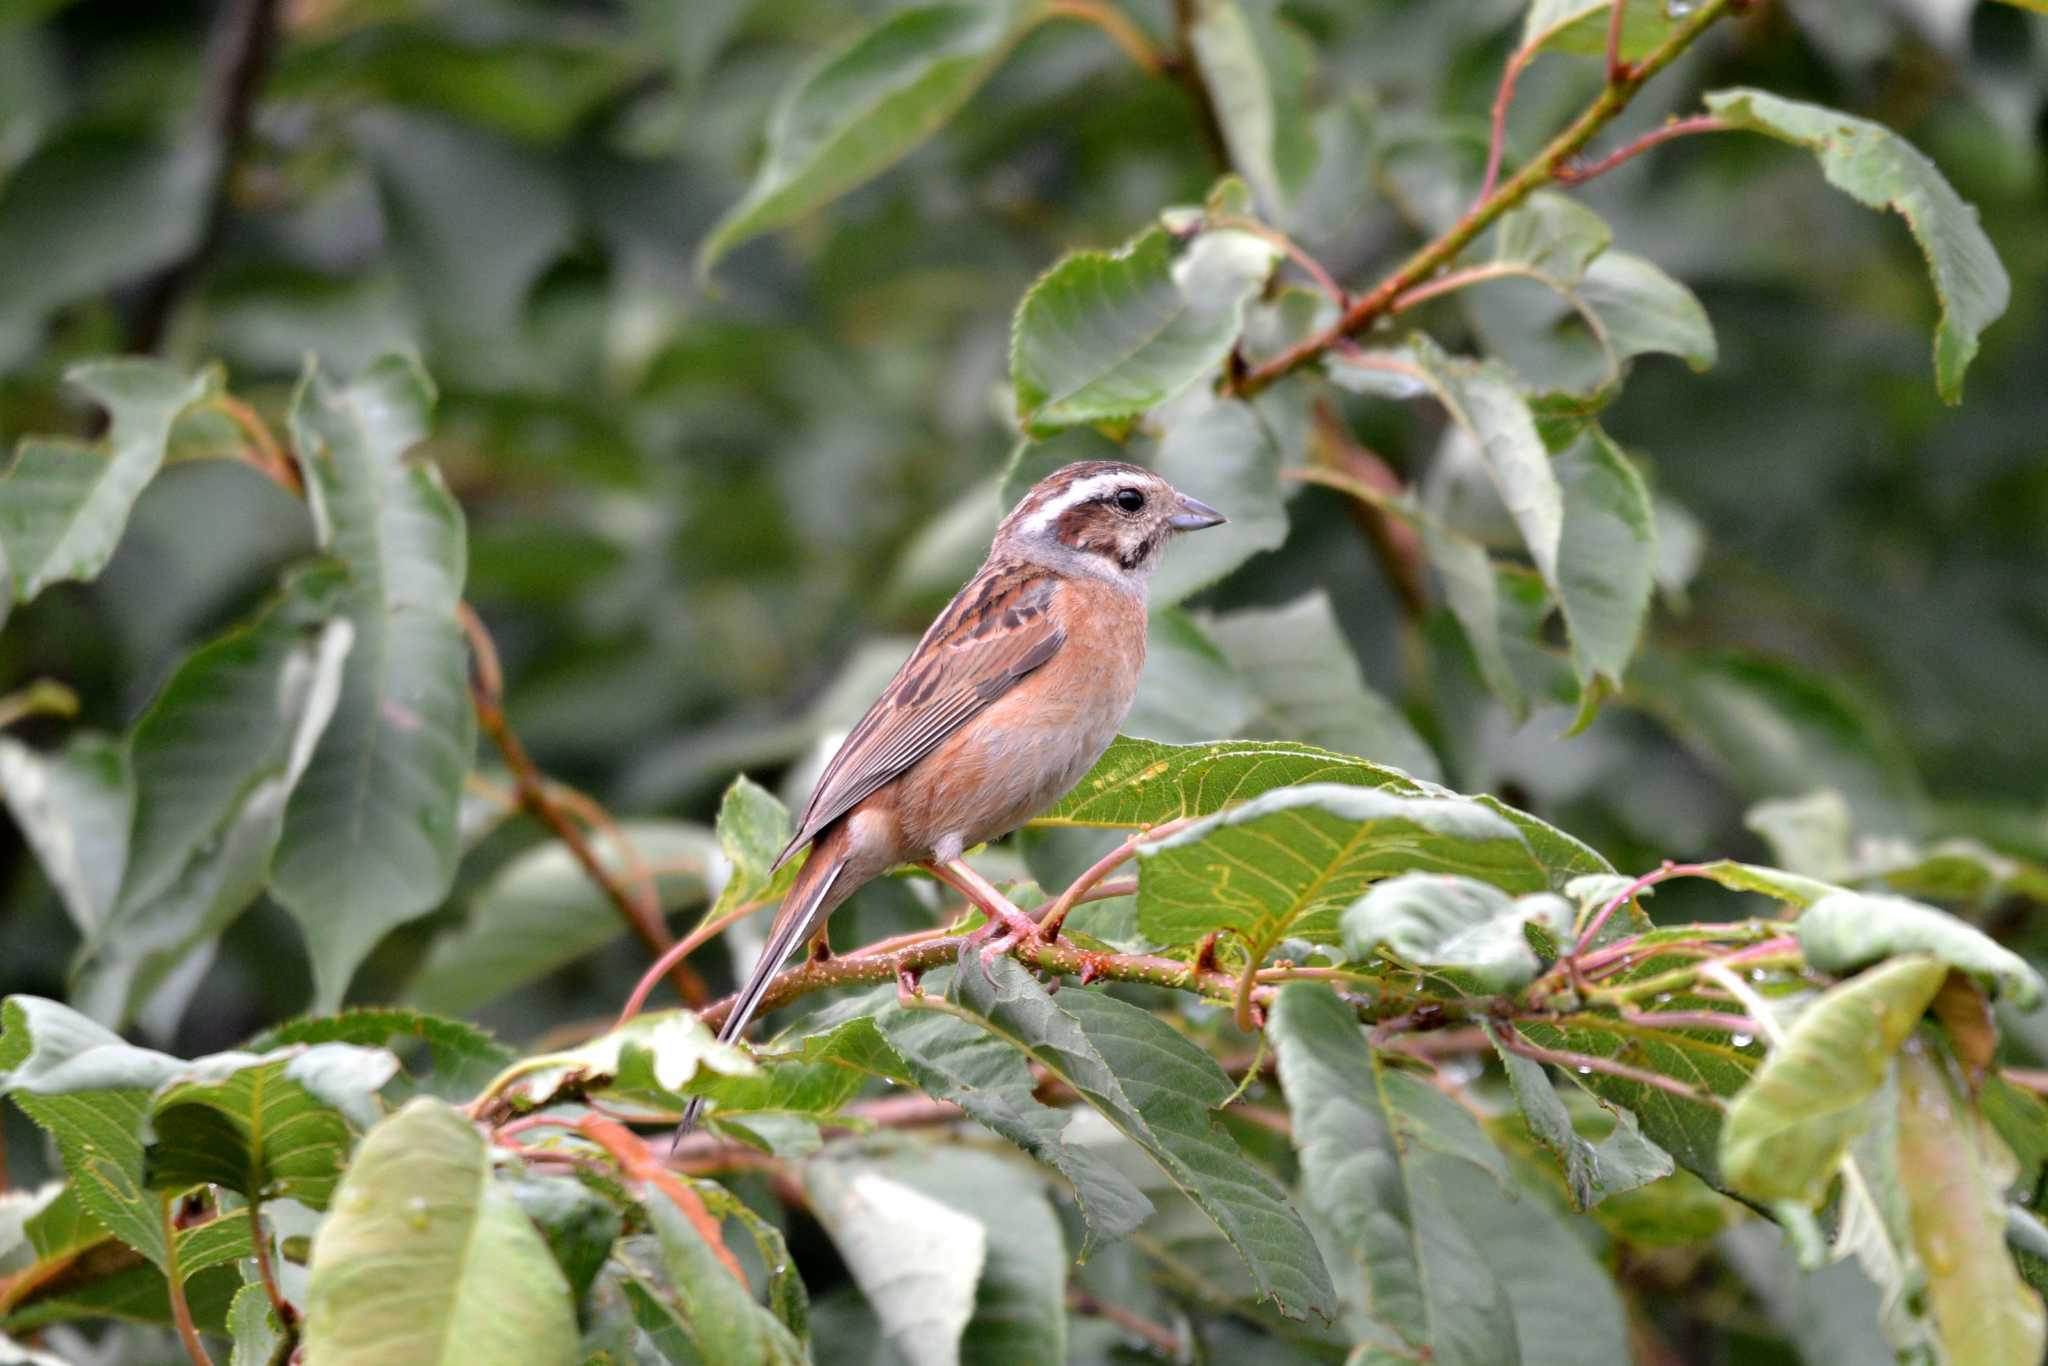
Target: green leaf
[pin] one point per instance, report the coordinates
(1787, 1130)
(917, 1260)
(1308, 685)
(1254, 70)
(753, 830)
(1020, 1312)
(541, 912)
(1844, 931)
(1880, 169)
(1376, 1169)
(460, 1057)
(63, 505)
(1686, 1128)
(813, 1080)
(1157, 1089)
(253, 1325)
(274, 1127)
(74, 809)
(1621, 1162)
(1580, 26)
(1955, 1171)
(1481, 398)
(715, 1310)
(1644, 311)
(1471, 591)
(1188, 690)
(424, 1259)
(579, 1225)
(862, 109)
(1606, 562)
(1106, 335)
(1285, 864)
(950, 1059)
(215, 761)
(1474, 929)
(370, 838)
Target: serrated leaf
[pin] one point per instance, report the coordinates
(541, 912)
(1482, 399)
(425, 1260)
(714, 1310)
(1285, 864)
(753, 830)
(215, 761)
(370, 837)
(460, 1056)
(1382, 1192)
(1474, 929)
(1606, 561)
(1954, 1170)
(950, 1059)
(1158, 1090)
(1686, 1128)
(1787, 1131)
(915, 1259)
(1844, 931)
(1307, 685)
(1581, 26)
(851, 116)
(253, 1324)
(1878, 168)
(1106, 335)
(74, 808)
(1621, 1162)
(1143, 783)
(63, 505)
(277, 1127)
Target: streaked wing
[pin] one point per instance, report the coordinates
(991, 636)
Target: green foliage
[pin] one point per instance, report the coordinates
(1655, 530)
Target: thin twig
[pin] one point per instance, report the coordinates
(1497, 141)
(239, 56)
(638, 1162)
(1056, 914)
(1375, 488)
(1572, 173)
(1155, 1335)
(1618, 71)
(1295, 252)
(266, 455)
(1592, 1062)
(1692, 1019)
(539, 800)
(1188, 73)
(1111, 21)
(1435, 255)
(682, 949)
(1648, 880)
(174, 1278)
(1454, 280)
(259, 1240)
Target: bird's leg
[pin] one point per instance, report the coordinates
(821, 946)
(1016, 926)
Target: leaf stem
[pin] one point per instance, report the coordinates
(1572, 173)
(1648, 880)
(1617, 69)
(1155, 1335)
(181, 1312)
(1111, 21)
(1592, 1062)
(259, 1240)
(1432, 257)
(1077, 890)
(638, 906)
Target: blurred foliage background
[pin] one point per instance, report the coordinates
(705, 517)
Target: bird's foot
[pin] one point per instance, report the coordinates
(909, 991)
(1015, 928)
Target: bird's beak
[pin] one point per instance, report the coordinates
(1195, 514)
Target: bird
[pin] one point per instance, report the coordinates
(1011, 696)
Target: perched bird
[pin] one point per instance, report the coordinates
(1008, 700)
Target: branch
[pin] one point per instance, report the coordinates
(181, 1312)
(1111, 21)
(1571, 173)
(1593, 1062)
(239, 56)
(1155, 1335)
(1378, 301)
(642, 912)
(259, 1241)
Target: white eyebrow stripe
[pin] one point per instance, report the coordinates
(1088, 489)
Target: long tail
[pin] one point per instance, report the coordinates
(802, 911)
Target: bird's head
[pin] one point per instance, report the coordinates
(1103, 518)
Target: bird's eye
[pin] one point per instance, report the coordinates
(1130, 500)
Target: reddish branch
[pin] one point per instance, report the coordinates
(1378, 302)
(1573, 173)
(637, 906)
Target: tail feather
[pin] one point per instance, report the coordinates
(801, 911)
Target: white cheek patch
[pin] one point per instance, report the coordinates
(1087, 490)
